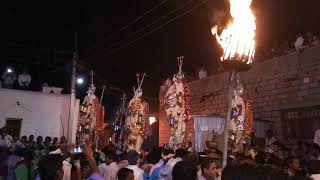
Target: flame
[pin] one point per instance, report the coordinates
(238, 38)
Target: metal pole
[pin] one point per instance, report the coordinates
(227, 121)
(73, 84)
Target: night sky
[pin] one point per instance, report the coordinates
(39, 35)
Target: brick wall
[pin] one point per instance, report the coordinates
(274, 85)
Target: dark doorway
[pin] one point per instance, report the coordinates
(14, 126)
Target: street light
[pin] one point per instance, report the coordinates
(152, 120)
(9, 70)
(80, 81)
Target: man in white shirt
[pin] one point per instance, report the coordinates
(24, 80)
(112, 168)
(133, 158)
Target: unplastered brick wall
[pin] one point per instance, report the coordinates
(274, 85)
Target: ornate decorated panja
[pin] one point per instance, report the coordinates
(137, 121)
(91, 120)
(177, 107)
(241, 125)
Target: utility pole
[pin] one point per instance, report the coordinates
(73, 84)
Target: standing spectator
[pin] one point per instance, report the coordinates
(209, 170)
(30, 143)
(299, 44)
(133, 158)
(292, 166)
(50, 168)
(23, 141)
(125, 174)
(47, 143)
(15, 143)
(9, 78)
(270, 139)
(110, 172)
(5, 139)
(24, 80)
(184, 170)
(55, 142)
(39, 144)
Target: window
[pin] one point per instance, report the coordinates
(301, 123)
(14, 126)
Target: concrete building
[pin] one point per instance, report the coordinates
(38, 113)
(285, 92)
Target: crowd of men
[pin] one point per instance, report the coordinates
(287, 47)
(55, 159)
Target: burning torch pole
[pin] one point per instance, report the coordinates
(227, 121)
(73, 85)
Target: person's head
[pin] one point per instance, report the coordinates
(55, 140)
(293, 164)
(208, 168)
(39, 139)
(185, 170)
(269, 133)
(110, 157)
(31, 137)
(181, 153)
(47, 139)
(125, 174)
(15, 138)
(50, 167)
(133, 157)
(63, 139)
(23, 139)
(4, 131)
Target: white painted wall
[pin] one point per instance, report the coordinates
(49, 113)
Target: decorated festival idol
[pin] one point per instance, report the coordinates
(91, 120)
(137, 121)
(241, 125)
(177, 107)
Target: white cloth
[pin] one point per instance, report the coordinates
(317, 137)
(24, 79)
(203, 124)
(111, 172)
(66, 170)
(315, 176)
(102, 168)
(137, 172)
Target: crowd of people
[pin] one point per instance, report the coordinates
(53, 159)
(10, 80)
(286, 47)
